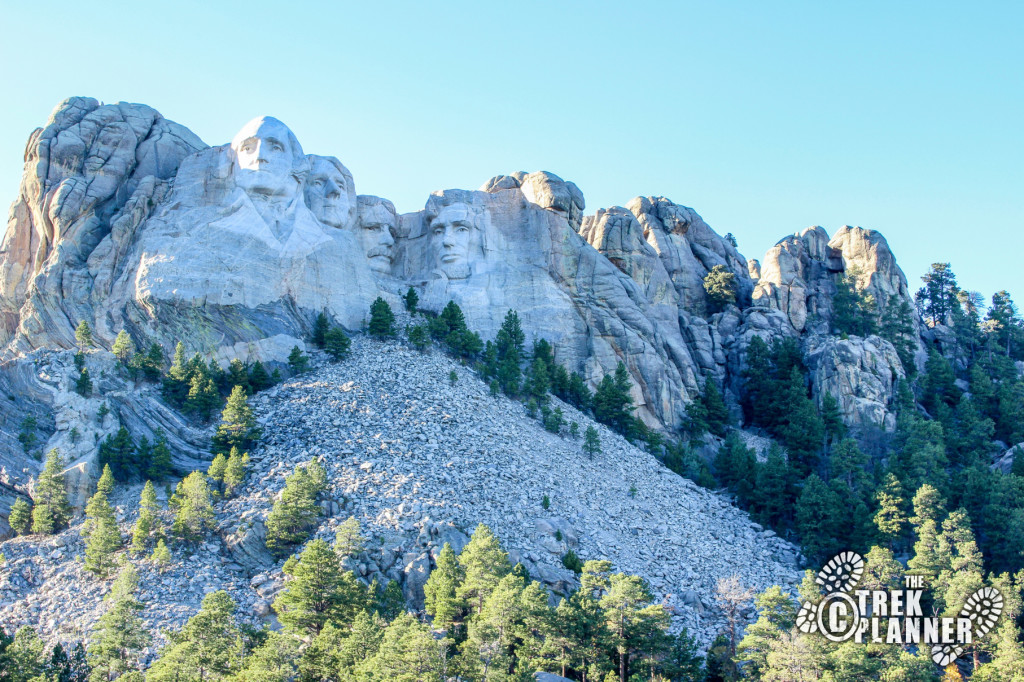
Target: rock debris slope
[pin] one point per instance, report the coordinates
(421, 462)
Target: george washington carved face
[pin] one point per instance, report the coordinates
(268, 158)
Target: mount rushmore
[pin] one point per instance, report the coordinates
(129, 221)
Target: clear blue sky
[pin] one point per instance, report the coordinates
(766, 117)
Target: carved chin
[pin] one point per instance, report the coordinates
(458, 270)
(380, 263)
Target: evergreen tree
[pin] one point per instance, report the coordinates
(591, 442)
(483, 564)
(735, 466)
(216, 472)
(337, 344)
(118, 453)
(318, 591)
(632, 620)
(274, 660)
(119, 635)
(297, 360)
(83, 385)
(1003, 319)
(203, 396)
(294, 513)
(613, 403)
(320, 328)
(103, 537)
(52, 510)
(150, 363)
(776, 616)
(83, 335)
(798, 425)
(237, 424)
(106, 482)
(235, 471)
(259, 380)
(896, 325)
(579, 395)
(208, 647)
(408, 652)
(890, 517)
(773, 494)
(418, 336)
(349, 540)
(382, 320)
(25, 655)
(720, 287)
(819, 518)
(853, 311)
(938, 297)
(538, 383)
(160, 458)
(161, 555)
(123, 347)
(20, 518)
(441, 590)
(390, 601)
(237, 375)
(147, 521)
(411, 299)
(193, 508)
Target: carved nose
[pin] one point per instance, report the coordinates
(387, 239)
(332, 190)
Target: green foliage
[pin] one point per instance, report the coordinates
(106, 482)
(83, 385)
(896, 325)
(349, 540)
(146, 523)
(293, 515)
(102, 535)
(235, 471)
(102, 412)
(318, 591)
(938, 297)
(819, 518)
(735, 466)
(193, 508)
(483, 564)
(411, 299)
(83, 335)
(890, 517)
(237, 427)
(382, 320)
(720, 286)
(119, 636)
(408, 652)
(20, 517)
(591, 442)
(123, 348)
(853, 311)
(209, 647)
(337, 344)
(149, 364)
(161, 555)
(160, 458)
(554, 420)
(572, 562)
(118, 452)
(707, 412)
(52, 511)
(418, 336)
(297, 360)
(613, 404)
(320, 328)
(27, 436)
(442, 602)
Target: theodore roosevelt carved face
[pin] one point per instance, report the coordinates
(377, 228)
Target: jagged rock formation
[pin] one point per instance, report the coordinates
(420, 462)
(129, 221)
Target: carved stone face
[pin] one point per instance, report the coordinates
(453, 234)
(376, 230)
(329, 194)
(266, 152)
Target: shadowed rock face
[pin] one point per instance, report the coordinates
(129, 221)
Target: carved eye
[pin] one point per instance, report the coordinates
(247, 148)
(318, 183)
(277, 148)
(463, 228)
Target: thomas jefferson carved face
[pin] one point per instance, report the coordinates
(329, 191)
(454, 233)
(269, 160)
(376, 229)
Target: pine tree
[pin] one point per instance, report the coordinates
(147, 521)
(216, 470)
(853, 311)
(117, 452)
(161, 555)
(320, 328)
(591, 442)
(776, 616)
(938, 297)
(235, 471)
(259, 380)
(337, 344)
(209, 647)
(631, 618)
(408, 652)
(819, 519)
(160, 458)
(441, 590)
(382, 320)
(237, 424)
(720, 287)
(318, 592)
(890, 519)
(193, 507)
(20, 518)
(119, 637)
(149, 363)
(83, 335)
(203, 396)
(106, 482)
(411, 299)
(83, 385)
(103, 537)
(418, 337)
(483, 564)
(897, 326)
(294, 513)
(735, 466)
(52, 510)
(349, 540)
(773, 495)
(123, 348)
(297, 360)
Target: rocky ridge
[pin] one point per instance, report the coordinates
(420, 462)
